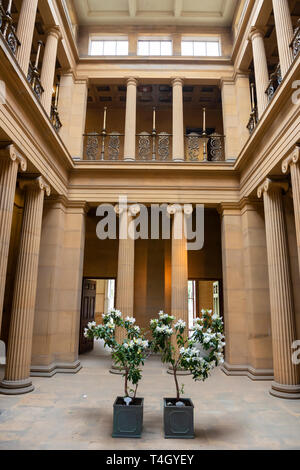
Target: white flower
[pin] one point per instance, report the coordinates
(180, 324)
(137, 329)
(130, 320)
(85, 334)
(125, 345)
(91, 324)
(215, 316)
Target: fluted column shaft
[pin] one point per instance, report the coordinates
(293, 163)
(48, 68)
(179, 265)
(284, 33)
(260, 69)
(17, 373)
(10, 160)
(286, 373)
(25, 32)
(178, 127)
(130, 120)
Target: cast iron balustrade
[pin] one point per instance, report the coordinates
(275, 81)
(295, 44)
(34, 79)
(153, 147)
(56, 123)
(7, 29)
(253, 120)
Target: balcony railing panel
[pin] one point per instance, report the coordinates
(33, 77)
(56, 123)
(8, 30)
(275, 81)
(295, 44)
(153, 147)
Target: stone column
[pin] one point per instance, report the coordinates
(48, 67)
(25, 32)
(179, 264)
(178, 127)
(10, 160)
(284, 33)
(260, 68)
(130, 120)
(286, 374)
(125, 276)
(17, 374)
(292, 163)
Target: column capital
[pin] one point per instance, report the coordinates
(293, 158)
(186, 209)
(11, 152)
(54, 31)
(255, 32)
(132, 81)
(38, 182)
(272, 185)
(177, 81)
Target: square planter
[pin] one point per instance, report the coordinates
(128, 420)
(179, 420)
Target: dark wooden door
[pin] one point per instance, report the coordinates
(87, 314)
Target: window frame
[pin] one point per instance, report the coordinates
(205, 41)
(103, 39)
(160, 40)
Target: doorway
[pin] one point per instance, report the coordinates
(203, 294)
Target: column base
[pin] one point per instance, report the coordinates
(116, 370)
(129, 159)
(248, 371)
(55, 368)
(178, 159)
(291, 392)
(179, 371)
(16, 387)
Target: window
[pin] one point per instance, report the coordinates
(146, 47)
(108, 47)
(200, 48)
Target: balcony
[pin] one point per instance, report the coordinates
(295, 44)
(7, 29)
(153, 147)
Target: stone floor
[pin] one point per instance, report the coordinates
(75, 412)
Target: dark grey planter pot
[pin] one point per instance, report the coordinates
(179, 421)
(128, 420)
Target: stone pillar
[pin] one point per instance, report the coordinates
(178, 127)
(286, 374)
(292, 162)
(284, 33)
(130, 120)
(10, 160)
(17, 374)
(25, 32)
(260, 68)
(72, 104)
(179, 264)
(48, 67)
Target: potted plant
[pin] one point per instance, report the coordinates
(199, 354)
(129, 354)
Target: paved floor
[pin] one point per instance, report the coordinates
(75, 412)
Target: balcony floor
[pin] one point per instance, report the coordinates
(75, 412)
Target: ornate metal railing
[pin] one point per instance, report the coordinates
(199, 147)
(103, 146)
(7, 28)
(253, 120)
(275, 81)
(56, 123)
(153, 147)
(33, 77)
(295, 44)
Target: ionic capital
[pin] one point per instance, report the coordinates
(272, 185)
(132, 209)
(131, 81)
(186, 209)
(54, 31)
(177, 81)
(255, 32)
(11, 152)
(38, 182)
(293, 158)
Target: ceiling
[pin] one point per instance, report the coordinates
(145, 12)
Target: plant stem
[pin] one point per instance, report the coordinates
(126, 382)
(176, 382)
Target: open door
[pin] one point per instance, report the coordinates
(87, 314)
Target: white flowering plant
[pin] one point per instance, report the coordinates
(198, 353)
(130, 353)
